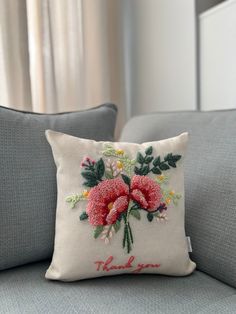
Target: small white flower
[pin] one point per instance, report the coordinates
(108, 163)
(105, 231)
(115, 173)
(107, 241)
(162, 217)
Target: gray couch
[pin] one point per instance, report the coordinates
(210, 174)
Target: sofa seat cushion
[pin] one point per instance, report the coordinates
(25, 290)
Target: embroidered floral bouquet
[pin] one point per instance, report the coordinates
(119, 187)
(120, 208)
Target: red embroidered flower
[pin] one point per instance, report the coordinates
(106, 201)
(146, 192)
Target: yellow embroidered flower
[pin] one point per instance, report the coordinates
(167, 200)
(120, 151)
(85, 193)
(119, 165)
(161, 177)
(110, 205)
(171, 193)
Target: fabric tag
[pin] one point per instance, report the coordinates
(189, 244)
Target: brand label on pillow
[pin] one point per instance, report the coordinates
(189, 244)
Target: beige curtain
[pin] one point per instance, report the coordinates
(61, 55)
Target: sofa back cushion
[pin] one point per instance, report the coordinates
(28, 177)
(210, 181)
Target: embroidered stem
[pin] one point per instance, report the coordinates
(130, 233)
(128, 236)
(108, 231)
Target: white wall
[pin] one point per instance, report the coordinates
(218, 57)
(160, 54)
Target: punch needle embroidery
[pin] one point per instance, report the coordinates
(118, 188)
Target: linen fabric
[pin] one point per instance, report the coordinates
(120, 208)
(28, 185)
(210, 177)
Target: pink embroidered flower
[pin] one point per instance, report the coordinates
(86, 162)
(146, 192)
(115, 167)
(106, 201)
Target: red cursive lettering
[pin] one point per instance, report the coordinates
(140, 267)
(108, 265)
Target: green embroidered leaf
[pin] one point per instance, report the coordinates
(168, 157)
(88, 175)
(137, 171)
(126, 179)
(90, 183)
(172, 159)
(148, 151)
(171, 163)
(91, 178)
(117, 226)
(156, 170)
(176, 158)
(175, 201)
(140, 158)
(100, 168)
(135, 205)
(135, 213)
(157, 161)
(145, 170)
(83, 216)
(97, 231)
(164, 166)
(148, 159)
(150, 217)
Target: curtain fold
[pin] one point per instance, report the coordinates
(61, 55)
(15, 88)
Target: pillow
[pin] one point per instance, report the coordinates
(28, 184)
(120, 208)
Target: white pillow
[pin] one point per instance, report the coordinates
(120, 208)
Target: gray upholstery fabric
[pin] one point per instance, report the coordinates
(222, 306)
(28, 182)
(24, 290)
(210, 181)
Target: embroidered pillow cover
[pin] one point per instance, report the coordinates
(120, 208)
